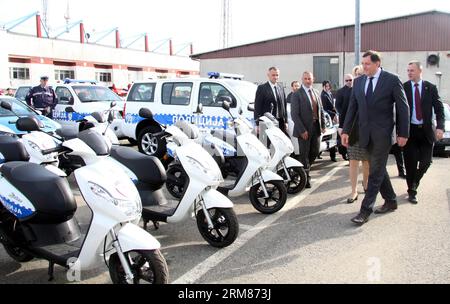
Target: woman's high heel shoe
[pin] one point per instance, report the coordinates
(352, 200)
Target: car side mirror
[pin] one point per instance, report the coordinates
(69, 110)
(28, 124)
(199, 109)
(6, 105)
(146, 113)
(251, 107)
(113, 104)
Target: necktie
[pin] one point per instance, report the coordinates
(314, 105)
(278, 101)
(417, 102)
(369, 93)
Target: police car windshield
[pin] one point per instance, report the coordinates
(244, 89)
(18, 107)
(95, 93)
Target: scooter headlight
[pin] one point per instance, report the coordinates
(130, 208)
(198, 165)
(284, 142)
(262, 154)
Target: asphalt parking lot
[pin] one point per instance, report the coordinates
(311, 240)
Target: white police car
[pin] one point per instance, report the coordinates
(85, 97)
(171, 100)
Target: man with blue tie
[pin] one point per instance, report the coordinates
(373, 99)
(423, 97)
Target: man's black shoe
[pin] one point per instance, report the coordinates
(387, 207)
(361, 219)
(412, 199)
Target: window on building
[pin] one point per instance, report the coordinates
(211, 95)
(326, 68)
(176, 93)
(63, 74)
(19, 73)
(103, 76)
(142, 92)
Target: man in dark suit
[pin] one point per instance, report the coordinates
(295, 85)
(328, 107)
(327, 99)
(423, 97)
(309, 123)
(373, 98)
(342, 100)
(270, 98)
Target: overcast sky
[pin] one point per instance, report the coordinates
(198, 21)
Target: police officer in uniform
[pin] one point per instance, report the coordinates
(42, 98)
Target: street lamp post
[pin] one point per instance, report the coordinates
(357, 32)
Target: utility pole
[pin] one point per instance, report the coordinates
(357, 32)
(45, 15)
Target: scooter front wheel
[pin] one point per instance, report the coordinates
(298, 179)
(274, 202)
(226, 227)
(148, 267)
(176, 181)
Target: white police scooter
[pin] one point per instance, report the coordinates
(290, 169)
(37, 212)
(216, 219)
(267, 193)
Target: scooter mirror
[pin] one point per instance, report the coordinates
(113, 104)
(226, 105)
(28, 124)
(69, 110)
(240, 111)
(6, 105)
(146, 113)
(251, 107)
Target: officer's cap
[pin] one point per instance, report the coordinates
(44, 77)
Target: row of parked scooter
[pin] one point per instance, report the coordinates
(120, 186)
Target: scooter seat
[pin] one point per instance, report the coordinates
(67, 133)
(49, 193)
(12, 149)
(148, 169)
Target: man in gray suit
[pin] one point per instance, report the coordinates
(309, 122)
(373, 98)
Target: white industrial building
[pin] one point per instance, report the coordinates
(25, 58)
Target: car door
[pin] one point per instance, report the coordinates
(65, 99)
(175, 102)
(141, 95)
(211, 96)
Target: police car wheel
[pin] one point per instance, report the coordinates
(149, 144)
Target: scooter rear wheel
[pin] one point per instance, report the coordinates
(226, 227)
(17, 254)
(148, 267)
(276, 200)
(298, 179)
